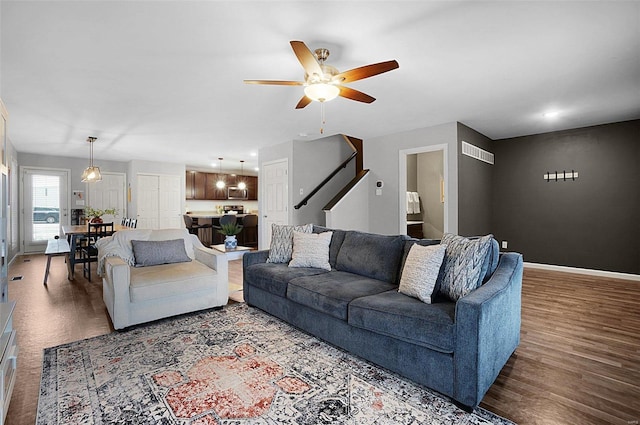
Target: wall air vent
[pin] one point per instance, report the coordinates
(477, 153)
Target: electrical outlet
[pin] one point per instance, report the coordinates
(504, 244)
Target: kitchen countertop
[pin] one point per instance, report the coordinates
(210, 214)
(409, 223)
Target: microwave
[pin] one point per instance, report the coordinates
(236, 193)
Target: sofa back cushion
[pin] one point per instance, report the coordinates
(370, 255)
(336, 242)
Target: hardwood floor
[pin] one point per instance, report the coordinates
(578, 361)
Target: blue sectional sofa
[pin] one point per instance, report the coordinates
(456, 348)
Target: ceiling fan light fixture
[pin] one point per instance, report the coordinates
(91, 173)
(321, 92)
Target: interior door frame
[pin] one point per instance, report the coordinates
(64, 219)
(402, 182)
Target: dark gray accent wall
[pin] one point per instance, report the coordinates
(475, 179)
(592, 222)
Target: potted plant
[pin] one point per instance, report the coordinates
(95, 215)
(230, 230)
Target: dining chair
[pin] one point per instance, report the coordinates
(95, 231)
(249, 232)
(195, 228)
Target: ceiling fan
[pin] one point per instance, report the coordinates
(324, 82)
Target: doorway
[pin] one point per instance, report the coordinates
(45, 206)
(423, 192)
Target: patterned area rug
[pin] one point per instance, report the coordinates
(233, 366)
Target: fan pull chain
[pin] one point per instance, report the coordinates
(322, 118)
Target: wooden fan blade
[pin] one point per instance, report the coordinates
(306, 57)
(352, 94)
(366, 71)
(275, 82)
(303, 102)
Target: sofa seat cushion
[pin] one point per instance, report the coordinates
(167, 280)
(274, 277)
(409, 319)
(332, 292)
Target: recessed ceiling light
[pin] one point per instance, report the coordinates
(551, 114)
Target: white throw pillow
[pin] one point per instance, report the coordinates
(311, 250)
(420, 271)
(282, 241)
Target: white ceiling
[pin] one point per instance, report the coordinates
(163, 80)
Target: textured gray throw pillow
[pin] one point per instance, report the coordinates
(151, 253)
(282, 241)
(420, 271)
(311, 250)
(463, 262)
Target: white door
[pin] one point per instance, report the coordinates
(109, 193)
(45, 206)
(148, 196)
(159, 202)
(169, 207)
(274, 181)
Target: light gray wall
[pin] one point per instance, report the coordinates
(76, 165)
(430, 169)
(412, 173)
(382, 156)
(312, 162)
(475, 185)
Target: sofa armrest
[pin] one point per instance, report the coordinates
(487, 330)
(213, 259)
(115, 290)
(254, 257)
(117, 273)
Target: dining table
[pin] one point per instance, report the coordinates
(73, 232)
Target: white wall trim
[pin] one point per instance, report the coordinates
(592, 272)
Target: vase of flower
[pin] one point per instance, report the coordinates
(230, 242)
(95, 215)
(230, 230)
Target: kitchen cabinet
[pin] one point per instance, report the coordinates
(202, 186)
(195, 185)
(212, 192)
(252, 187)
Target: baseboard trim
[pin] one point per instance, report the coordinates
(592, 272)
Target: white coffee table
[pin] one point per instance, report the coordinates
(232, 254)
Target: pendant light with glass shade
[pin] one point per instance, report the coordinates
(91, 173)
(220, 184)
(242, 185)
